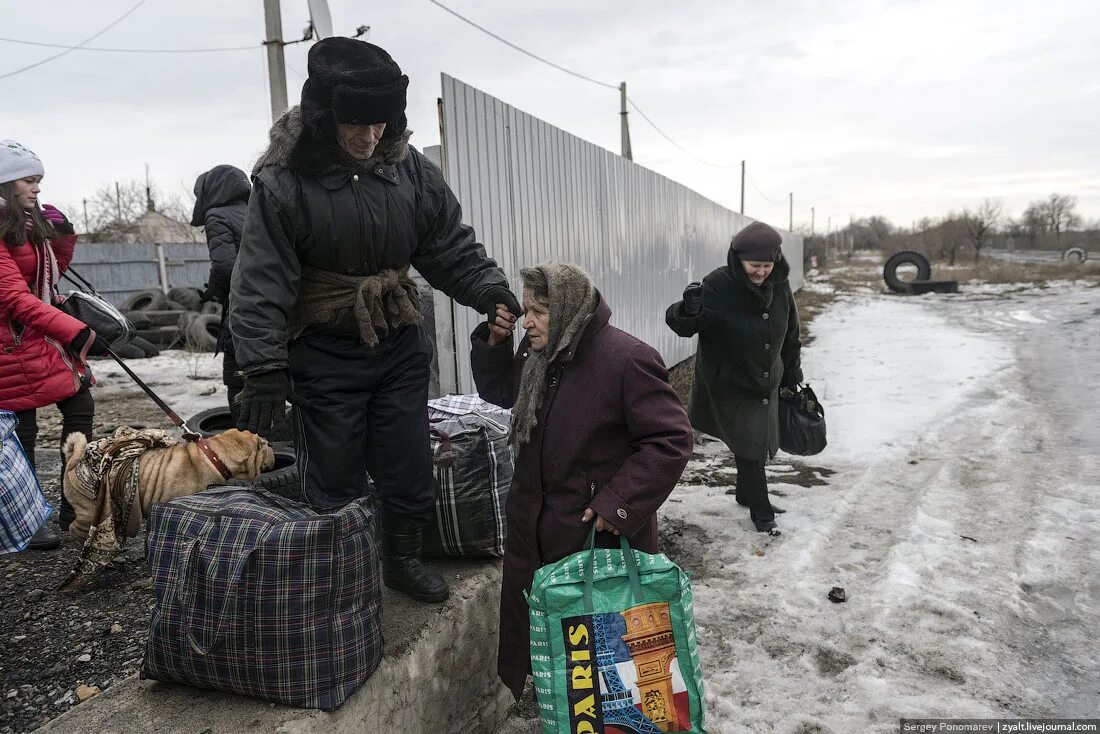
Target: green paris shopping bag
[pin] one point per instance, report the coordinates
(613, 648)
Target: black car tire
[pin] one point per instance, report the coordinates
(282, 480)
(146, 300)
(907, 257)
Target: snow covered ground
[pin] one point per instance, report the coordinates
(187, 381)
(957, 504)
(961, 520)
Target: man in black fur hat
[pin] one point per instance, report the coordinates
(322, 301)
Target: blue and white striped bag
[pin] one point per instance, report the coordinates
(23, 507)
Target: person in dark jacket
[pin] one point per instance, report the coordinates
(321, 299)
(599, 433)
(749, 347)
(221, 202)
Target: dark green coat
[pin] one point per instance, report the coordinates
(749, 347)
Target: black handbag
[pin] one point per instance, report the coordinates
(105, 320)
(801, 422)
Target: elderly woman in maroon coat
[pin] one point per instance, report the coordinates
(600, 436)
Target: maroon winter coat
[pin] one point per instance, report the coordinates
(36, 368)
(611, 435)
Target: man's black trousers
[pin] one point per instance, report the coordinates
(360, 410)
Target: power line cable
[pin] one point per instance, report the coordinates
(133, 50)
(681, 148)
(762, 196)
(506, 42)
(578, 75)
(87, 40)
(297, 73)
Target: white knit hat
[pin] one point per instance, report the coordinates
(18, 162)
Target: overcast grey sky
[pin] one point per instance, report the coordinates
(906, 108)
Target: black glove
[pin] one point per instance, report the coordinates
(263, 399)
(76, 346)
(500, 295)
(693, 299)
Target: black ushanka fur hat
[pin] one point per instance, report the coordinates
(353, 82)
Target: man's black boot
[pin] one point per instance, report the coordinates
(402, 544)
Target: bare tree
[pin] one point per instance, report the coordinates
(114, 208)
(1015, 230)
(1061, 214)
(952, 234)
(872, 233)
(1034, 222)
(1054, 215)
(981, 223)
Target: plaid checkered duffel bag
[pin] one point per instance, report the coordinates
(23, 507)
(259, 595)
(473, 471)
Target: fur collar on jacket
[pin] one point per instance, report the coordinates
(294, 146)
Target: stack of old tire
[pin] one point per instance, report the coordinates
(923, 283)
(175, 320)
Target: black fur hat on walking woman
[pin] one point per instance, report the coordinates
(341, 207)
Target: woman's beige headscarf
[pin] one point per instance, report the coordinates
(573, 298)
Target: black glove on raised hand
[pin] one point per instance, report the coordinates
(500, 295)
(263, 400)
(693, 299)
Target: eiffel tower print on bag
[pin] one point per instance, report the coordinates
(613, 648)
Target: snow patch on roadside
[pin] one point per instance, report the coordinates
(886, 368)
(905, 388)
(187, 381)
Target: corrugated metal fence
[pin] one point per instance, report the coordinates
(119, 270)
(533, 192)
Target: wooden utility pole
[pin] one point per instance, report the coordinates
(813, 214)
(742, 187)
(276, 68)
(624, 124)
(790, 212)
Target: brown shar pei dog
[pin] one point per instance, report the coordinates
(179, 470)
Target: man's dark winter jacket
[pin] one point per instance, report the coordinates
(749, 346)
(312, 207)
(611, 435)
(221, 202)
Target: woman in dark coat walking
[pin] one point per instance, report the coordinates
(600, 436)
(749, 347)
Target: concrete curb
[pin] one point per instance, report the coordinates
(438, 674)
